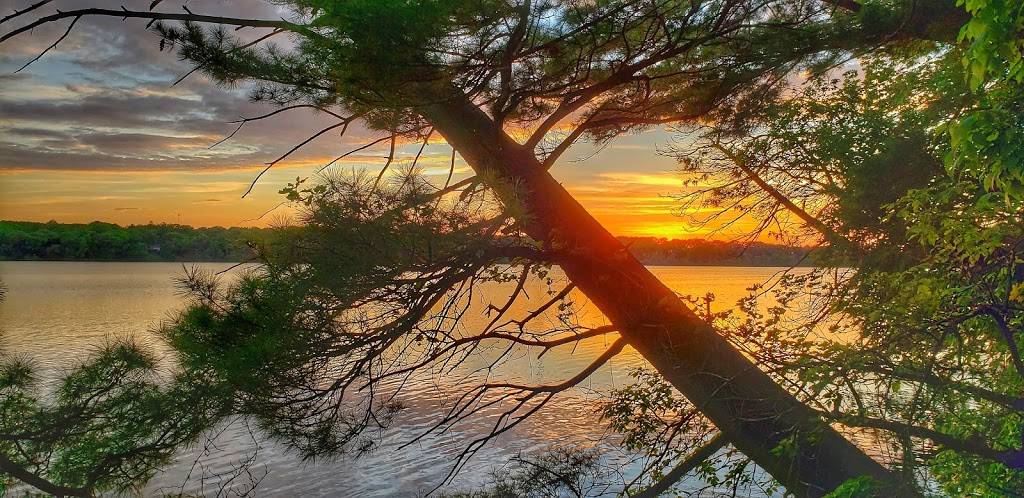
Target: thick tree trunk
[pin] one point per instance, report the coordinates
(758, 416)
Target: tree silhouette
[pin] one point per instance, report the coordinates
(480, 74)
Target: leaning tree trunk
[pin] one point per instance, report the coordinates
(756, 415)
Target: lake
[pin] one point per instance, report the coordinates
(57, 312)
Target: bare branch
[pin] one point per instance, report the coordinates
(811, 221)
(243, 121)
(426, 140)
(544, 307)
(26, 10)
(290, 151)
(52, 45)
(227, 21)
(353, 151)
(610, 353)
(511, 299)
(564, 145)
(455, 186)
(391, 157)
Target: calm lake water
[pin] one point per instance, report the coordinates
(57, 312)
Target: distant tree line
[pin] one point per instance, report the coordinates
(697, 252)
(99, 241)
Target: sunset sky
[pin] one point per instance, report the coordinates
(96, 131)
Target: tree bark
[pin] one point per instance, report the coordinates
(757, 416)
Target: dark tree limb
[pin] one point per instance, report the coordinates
(26, 10)
(825, 230)
(598, 362)
(692, 461)
(51, 46)
(11, 468)
(165, 16)
(973, 446)
(292, 150)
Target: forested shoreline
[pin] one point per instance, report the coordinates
(99, 241)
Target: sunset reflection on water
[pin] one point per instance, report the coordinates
(58, 312)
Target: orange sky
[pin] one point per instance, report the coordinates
(96, 131)
(628, 188)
